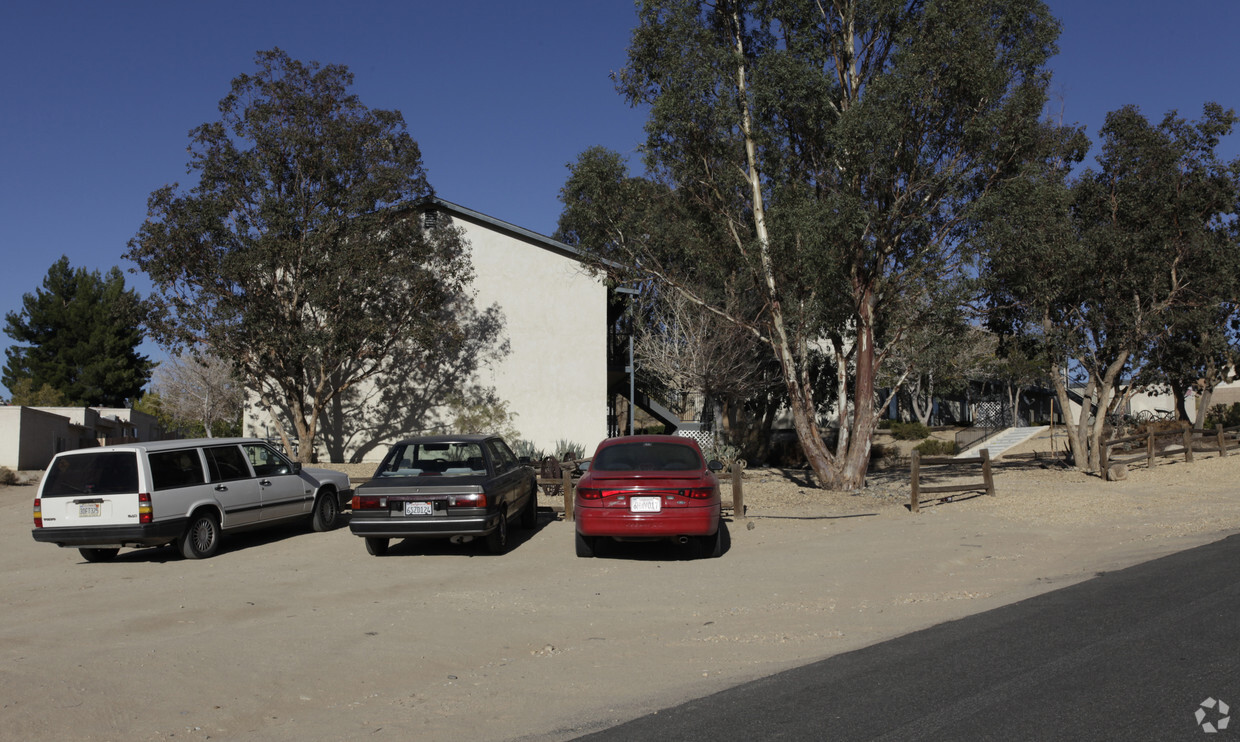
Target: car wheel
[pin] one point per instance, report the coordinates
(585, 545)
(376, 546)
(326, 511)
(201, 538)
(529, 516)
(98, 555)
(497, 540)
(711, 547)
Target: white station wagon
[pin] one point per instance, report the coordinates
(186, 492)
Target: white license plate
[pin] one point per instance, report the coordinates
(88, 510)
(418, 508)
(645, 504)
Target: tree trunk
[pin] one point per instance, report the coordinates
(800, 396)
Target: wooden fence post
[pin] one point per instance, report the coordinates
(568, 494)
(738, 493)
(1149, 449)
(914, 474)
(990, 481)
(1188, 442)
(1222, 442)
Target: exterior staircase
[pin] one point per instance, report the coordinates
(1002, 441)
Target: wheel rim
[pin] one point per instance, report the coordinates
(203, 536)
(327, 510)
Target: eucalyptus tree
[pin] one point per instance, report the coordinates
(1109, 267)
(827, 154)
(295, 254)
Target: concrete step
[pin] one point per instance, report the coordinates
(1001, 442)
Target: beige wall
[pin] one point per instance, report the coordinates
(30, 437)
(555, 376)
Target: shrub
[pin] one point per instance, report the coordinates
(1228, 416)
(936, 447)
(909, 431)
(522, 447)
(569, 449)
(8, 477)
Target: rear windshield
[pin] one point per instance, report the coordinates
(462, 458)
(103, 473)
(647, 456)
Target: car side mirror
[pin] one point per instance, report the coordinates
(525, 460)
(296, 467)
(714, 465)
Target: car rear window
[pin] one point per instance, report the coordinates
(103, 473)
(171, 469)
(647, 456)
(457, 458)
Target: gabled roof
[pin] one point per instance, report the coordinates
(477, 217)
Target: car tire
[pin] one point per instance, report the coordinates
(326, 511)
(497, 540)
(529, 516)
(376, 546)
(711, 547)
(98, 555)
(201, 538)
(585, 545)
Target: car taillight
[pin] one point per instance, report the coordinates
(369, 502)
(700, 493)
(145, 514)
(467, 501)
(589, 493)
(38, 513)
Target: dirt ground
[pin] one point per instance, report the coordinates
(293, 635)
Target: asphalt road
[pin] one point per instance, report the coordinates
(1128, 655)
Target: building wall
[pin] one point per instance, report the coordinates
(30, 437)
(555, 376)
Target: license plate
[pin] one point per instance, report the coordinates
(645, 504)
(418, 508)
(88, 510)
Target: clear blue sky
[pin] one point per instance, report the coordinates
(97, 99)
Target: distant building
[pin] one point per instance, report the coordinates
(31, 436)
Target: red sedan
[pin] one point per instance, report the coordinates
(649, 487)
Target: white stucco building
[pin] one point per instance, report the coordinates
(553, 378)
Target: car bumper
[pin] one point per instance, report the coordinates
(620, 523)
(154, 534)
(473, 525)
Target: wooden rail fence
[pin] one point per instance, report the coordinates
(987, 484)
(1220, 441)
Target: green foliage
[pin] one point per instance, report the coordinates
(522, 447)
(481, 414)
(566, 448)
(722, 452)
(77, 336)
(299, 254)
(936, 447)
(910, 431)
(24, 393)
(1226, 415)
(809, 174)
(1095, 272)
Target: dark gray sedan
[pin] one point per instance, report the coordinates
(458, 487)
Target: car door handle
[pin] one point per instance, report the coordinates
(220, 488)
(265, 482)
